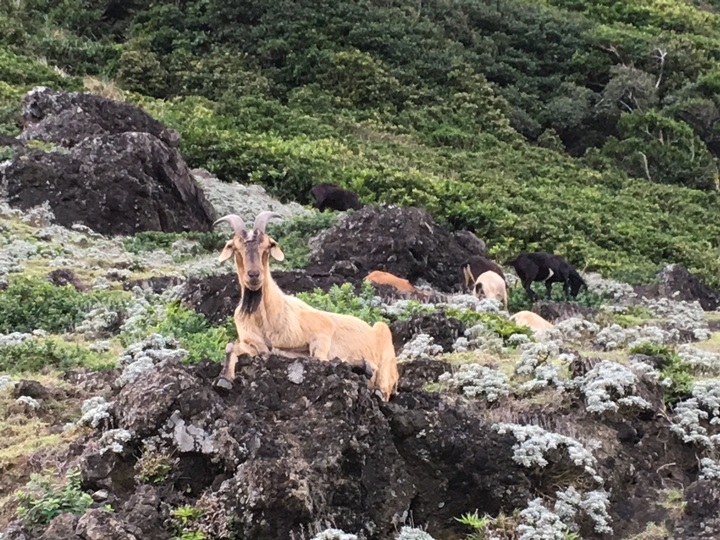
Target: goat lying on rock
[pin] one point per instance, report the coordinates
(269, 321)
(470, 270)
(490, 285)
(548, 268)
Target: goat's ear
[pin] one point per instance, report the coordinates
(226, 253)
(276, 253)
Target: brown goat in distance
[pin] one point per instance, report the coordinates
(474, 267)
(386, 278)
(334, 197)
(269, 321)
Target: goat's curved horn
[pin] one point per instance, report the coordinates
(262, 219)
(235, 221)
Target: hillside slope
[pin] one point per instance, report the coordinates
(586, 128)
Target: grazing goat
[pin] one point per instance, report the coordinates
(386, 278)
(548, 268)
(490, 285)
(475, 266)
(334, 197)
(269, 321)
(532, 320)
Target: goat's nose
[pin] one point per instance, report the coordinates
(253, 274)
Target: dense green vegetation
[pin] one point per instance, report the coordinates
(585, 128)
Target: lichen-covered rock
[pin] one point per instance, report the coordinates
(445, 330)
(403, 241)
(245, 201)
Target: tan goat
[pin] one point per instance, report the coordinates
(532, 320)
(269, 321)
(490, 285)
(386, 278)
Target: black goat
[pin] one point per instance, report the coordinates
(334, 197)
(473, 267)
(548, 268)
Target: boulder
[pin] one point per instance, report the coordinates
(114, 184)
(108, 165)
(677, 283)
(66, 119)
(403, 241)
(444, 330)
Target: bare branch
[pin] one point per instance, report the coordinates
(661, 54)
(645, 164)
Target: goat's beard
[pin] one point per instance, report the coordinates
(250, 301)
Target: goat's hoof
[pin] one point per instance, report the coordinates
(224, 383)
(379, 394)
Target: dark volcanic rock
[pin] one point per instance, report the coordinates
(279, 457)
(216, 297)
(66, 119)
(677, 283)
(559, 311)
(31, 389)
(114, 184)
(62, 277)
(701, 519)
(470, 242)
(62, 528)
(404, 241)
(445, 330)
(114, 168)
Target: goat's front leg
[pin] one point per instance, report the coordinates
(548, 290)
(320, 347)
(232, 351)
(528, 289)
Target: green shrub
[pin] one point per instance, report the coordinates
(294, 236)
(194, 333)
(678, 372)
(33, 355)
(518, 299)
(29, 304)
(210, 242)
(41, 501)
(344, 300)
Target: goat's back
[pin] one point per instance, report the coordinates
(531, 320)
(492, 286)
(386, 278)
(476, 265)
(332, 196)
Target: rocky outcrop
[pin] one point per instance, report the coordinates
(678, 283)
(297, 444)
(403, 241)
(66, 119)
(444, 330)
(108, 165)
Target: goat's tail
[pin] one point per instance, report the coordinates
(386, 374)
